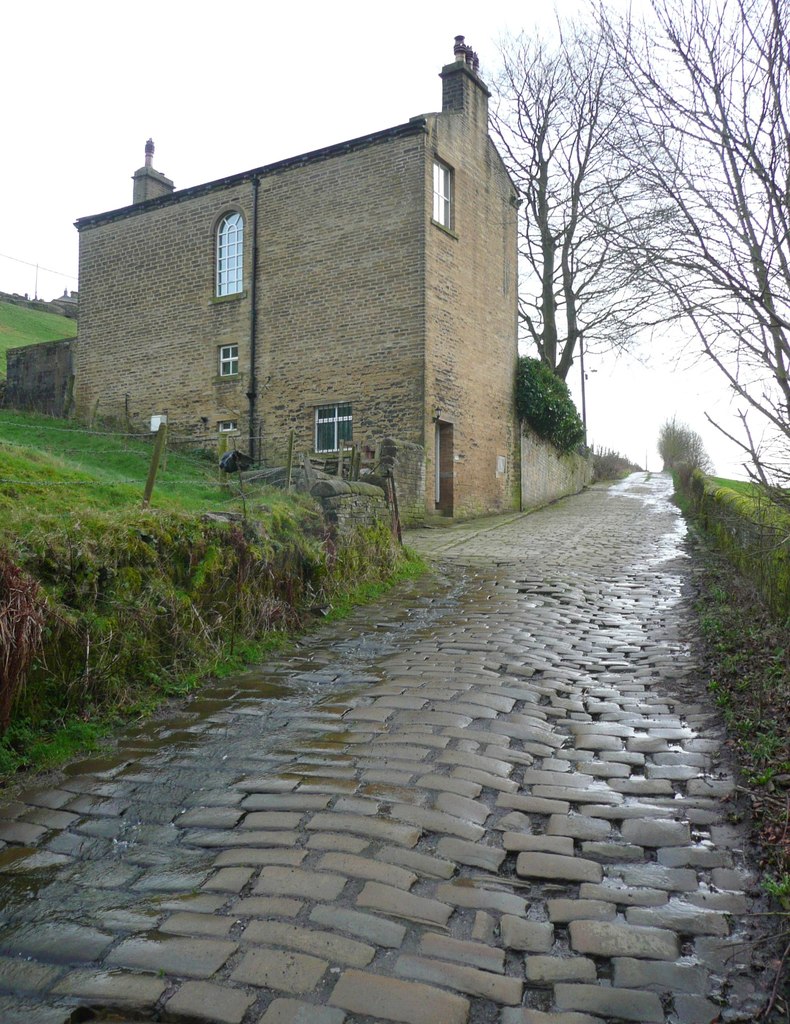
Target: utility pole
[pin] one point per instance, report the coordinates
(584, 394)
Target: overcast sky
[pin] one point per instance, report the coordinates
(225, 88)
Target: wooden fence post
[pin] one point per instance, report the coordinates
(222, 447)
(290, 462)
(159, 444)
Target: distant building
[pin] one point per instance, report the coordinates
(355, 292)
(66, 304)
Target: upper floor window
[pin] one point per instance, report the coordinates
(442, 194)
(228, 360)
(230, 254)
(333, 427)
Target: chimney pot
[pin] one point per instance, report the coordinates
(149, 152)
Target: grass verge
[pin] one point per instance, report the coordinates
(41, 740)
(747, 664)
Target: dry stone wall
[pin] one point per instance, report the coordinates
(347, 504)
(546, 474)
(406, 462)
(39, 377)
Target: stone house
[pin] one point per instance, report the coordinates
(359, 291)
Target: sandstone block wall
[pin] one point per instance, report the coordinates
(407, 464)
(546, 475)
(341, 305)
(39, 377)
(347, 504)
(150, 327)
(471, 300)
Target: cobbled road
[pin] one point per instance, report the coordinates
(499, 796)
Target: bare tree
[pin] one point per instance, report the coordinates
(558, 117)
(709, 96)
(679, 445)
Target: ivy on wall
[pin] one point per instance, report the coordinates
(544, 402)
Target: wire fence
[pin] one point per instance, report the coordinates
(114, 459)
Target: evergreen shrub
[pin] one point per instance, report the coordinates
(544, 402)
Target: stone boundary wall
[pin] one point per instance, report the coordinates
(753, 534)
(406, 462)
(546, 474)
(39, 377)
(347, 504)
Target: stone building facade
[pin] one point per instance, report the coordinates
(359, 291)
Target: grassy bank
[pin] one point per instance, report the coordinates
(125, 606)
(744, 630)
(747, 663)
(22, 326)
(746, 525)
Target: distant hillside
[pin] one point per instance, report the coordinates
(21, 326)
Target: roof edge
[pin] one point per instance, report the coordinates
(415, 126)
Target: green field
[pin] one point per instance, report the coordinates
(741, 486)
(22, 326)
(54, 466)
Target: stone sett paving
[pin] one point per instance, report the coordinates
(498, 797)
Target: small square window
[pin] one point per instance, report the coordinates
(227, 426)
(333, 427)
(228, 360)
(442, 194)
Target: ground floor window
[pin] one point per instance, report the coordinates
(332, 427)
(227, 426)
(228, 360)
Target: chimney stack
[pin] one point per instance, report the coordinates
(148, 183)
(463, 91)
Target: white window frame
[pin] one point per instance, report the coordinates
(230, 255)
(339, 416)
(443, 194)
(229, 360)
(227, 426)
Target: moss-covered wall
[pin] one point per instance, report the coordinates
(751, 530)
(132, 601)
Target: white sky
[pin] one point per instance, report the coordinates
(224, 88)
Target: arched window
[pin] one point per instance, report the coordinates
(230, 254)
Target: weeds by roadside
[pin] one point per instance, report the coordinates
(748, 667)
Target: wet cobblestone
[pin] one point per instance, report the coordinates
(499, 797)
